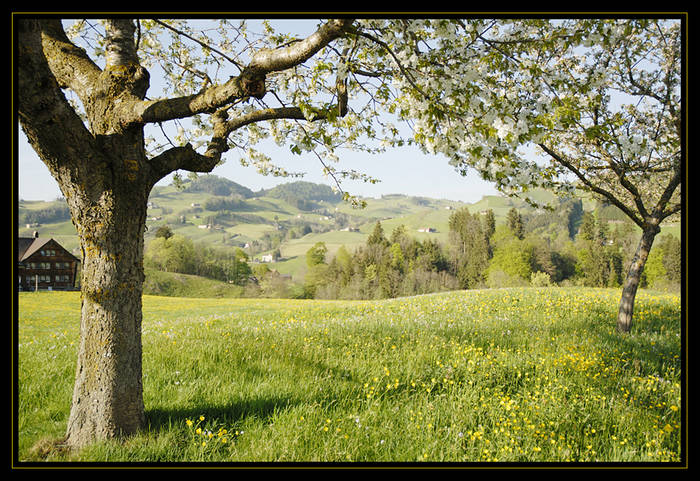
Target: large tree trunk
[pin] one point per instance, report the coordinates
(634, 277)
(104, 173)
(107, 397)
(105, 177)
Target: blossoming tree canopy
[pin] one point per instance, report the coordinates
(599, 100)
(478, 91)
(605, 93)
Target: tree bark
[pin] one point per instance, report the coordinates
(106, 178)
(108, 393)
(634, 277)
(105, 175)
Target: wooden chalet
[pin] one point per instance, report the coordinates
(43, 264)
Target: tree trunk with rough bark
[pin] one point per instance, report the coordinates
(634, 277)
(102, 178)
(108, 392)
(105, 175)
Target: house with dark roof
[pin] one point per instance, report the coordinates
(43, 264)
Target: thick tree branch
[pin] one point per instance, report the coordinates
(69, 64)
(121, 47)
(274, 60)
(250, 83)
(291, 113)
(629, 186)
(181, 158)
(672, 209)
(265, 114)
(594, 188)
(207, 101)
(52, 127)
(186, 158)
(661, 205)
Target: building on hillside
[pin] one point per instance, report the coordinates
(427, 229)
(43, 264)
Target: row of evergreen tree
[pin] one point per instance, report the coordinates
(481, 254)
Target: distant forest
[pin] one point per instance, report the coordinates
(57, 212)
(565, 246)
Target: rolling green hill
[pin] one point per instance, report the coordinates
(221, 213)
(292, 217)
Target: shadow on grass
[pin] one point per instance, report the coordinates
(263, 409)
(653, 344)
(245, 406)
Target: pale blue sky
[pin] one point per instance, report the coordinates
(401, 171)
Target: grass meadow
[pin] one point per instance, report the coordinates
(504, 376)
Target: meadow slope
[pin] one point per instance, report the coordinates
(512, 375)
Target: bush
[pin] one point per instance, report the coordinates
(514, 258)
(171, 284)
(497, 279)
(540, 279)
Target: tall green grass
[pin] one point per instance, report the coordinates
(513, 375)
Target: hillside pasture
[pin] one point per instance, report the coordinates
(510, 375)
